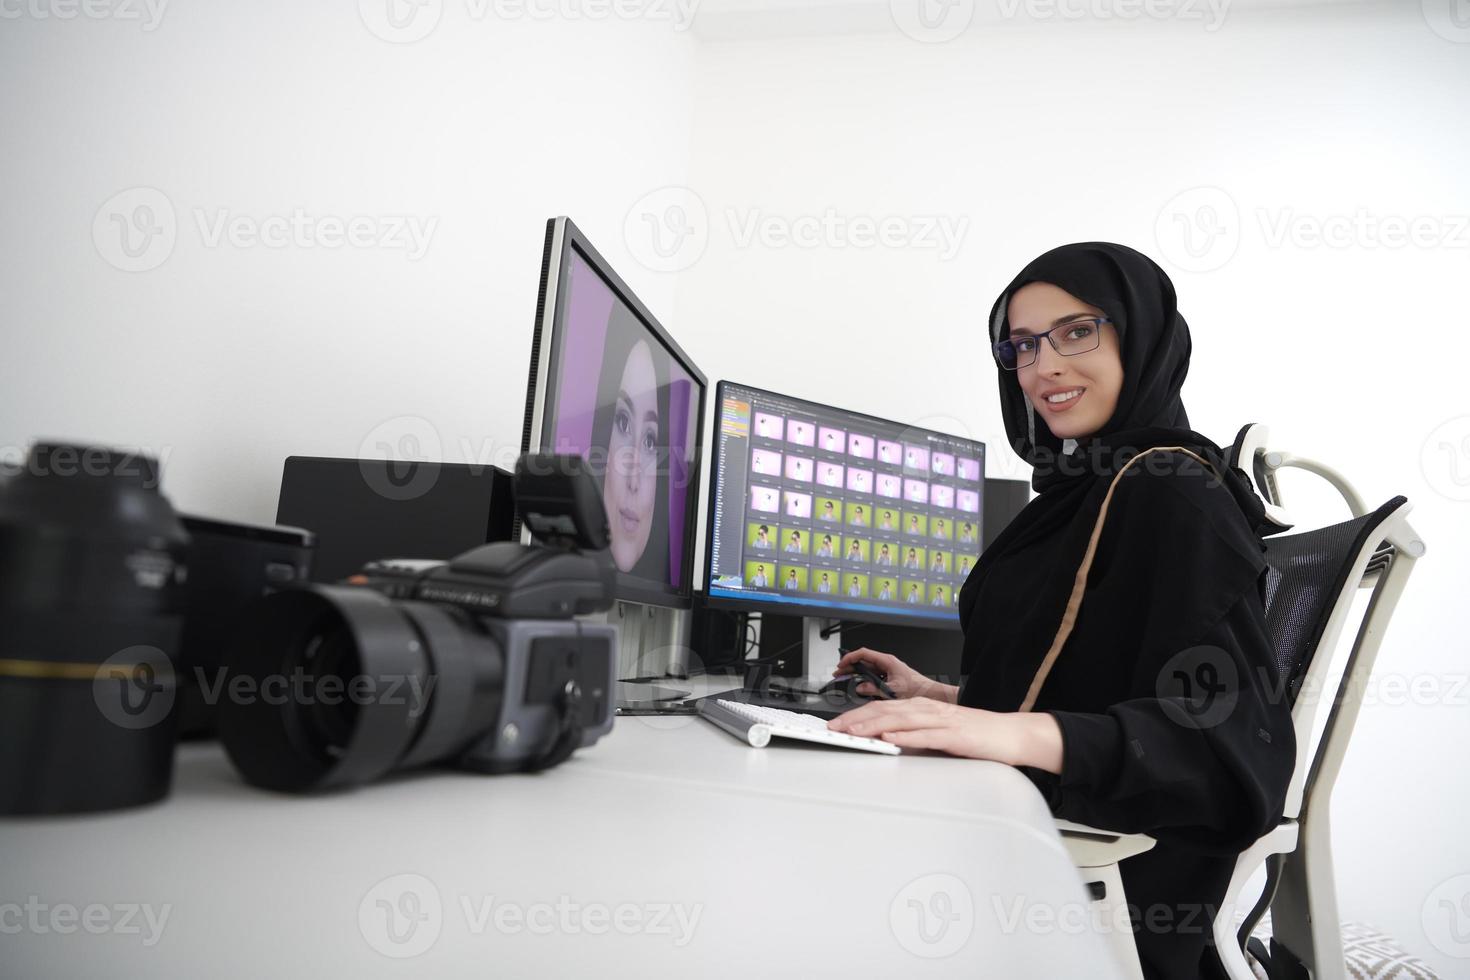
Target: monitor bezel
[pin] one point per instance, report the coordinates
(563, 237)
(815, 609)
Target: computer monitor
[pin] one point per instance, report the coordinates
(608, 383)
(818, 511)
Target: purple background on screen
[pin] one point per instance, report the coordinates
(583, 340)
(943, 496)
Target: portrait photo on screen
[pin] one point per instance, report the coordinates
(829, 509)
(860, 481)
(759, 575)
(967, 500)
(769, 426)
(801, 433)
(888, 485)
(829, 474)
(799, 468)
(969, 469)
(916, 491)
(765, 462)
(798, 504)
(765, 499)
(761, 537)
(916, 457)
(626, 406)
(889, 452)
(941, 495)
(943, 464)
(860, 446)
(832, 440)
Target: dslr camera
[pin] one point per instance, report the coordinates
(477, 663)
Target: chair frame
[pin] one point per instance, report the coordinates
(1300, 887)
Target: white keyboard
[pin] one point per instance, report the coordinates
(756, 724)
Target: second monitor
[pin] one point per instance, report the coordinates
(816, 511)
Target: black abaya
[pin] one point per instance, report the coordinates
(1159, 674)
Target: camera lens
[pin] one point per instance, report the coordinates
(91, 602)
(333, 686)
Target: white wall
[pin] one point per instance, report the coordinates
(225, 358)
(1039, 132)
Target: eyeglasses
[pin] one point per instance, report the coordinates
(1079, 336)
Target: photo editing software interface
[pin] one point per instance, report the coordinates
(829, 512)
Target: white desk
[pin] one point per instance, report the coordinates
(784, 861)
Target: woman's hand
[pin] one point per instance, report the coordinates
(1015, 738)
(903, 680)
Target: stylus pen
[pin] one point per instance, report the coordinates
(876, 678)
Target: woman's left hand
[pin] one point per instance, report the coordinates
(1015, 738)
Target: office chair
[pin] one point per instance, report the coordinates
(1311, 583)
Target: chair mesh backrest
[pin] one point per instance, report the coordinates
(1306, 574)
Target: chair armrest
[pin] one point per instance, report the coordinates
(1094, 848)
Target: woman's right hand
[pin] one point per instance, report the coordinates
(903, 680)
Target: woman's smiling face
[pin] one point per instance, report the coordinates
(630, 490)
(1038, 307)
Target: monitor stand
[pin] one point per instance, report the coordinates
(653, 645)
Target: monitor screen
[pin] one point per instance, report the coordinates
(817, 511)
(617, 391)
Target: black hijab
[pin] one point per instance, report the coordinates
(1154, 346)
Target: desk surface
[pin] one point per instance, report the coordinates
(668, 848)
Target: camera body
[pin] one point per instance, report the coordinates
(522, 598)
(477, 663)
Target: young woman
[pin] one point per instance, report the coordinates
(1115, 641)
